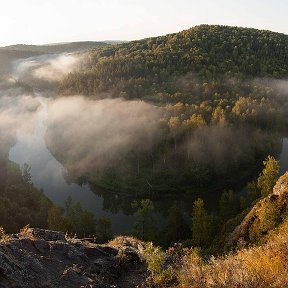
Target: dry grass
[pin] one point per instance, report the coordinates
(255, 267)
(130, 241)
(26, 232)
(3, 236)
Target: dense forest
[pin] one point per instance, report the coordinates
(219, 94)
(144, 68)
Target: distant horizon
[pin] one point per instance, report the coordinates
(125, 40)
(32, 22)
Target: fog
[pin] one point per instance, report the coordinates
(86, 132)
(222, 146)
(44, 70)
(17, 113)
(99, 133)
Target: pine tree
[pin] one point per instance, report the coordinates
(268, 177)
(199, 223)
(144, 219)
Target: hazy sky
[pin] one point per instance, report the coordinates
(49, 21)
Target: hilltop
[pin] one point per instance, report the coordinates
(151, 66)
(55, 48)
(9, 54)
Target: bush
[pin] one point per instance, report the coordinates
(3, 235)
(161, 272)
(264, 266)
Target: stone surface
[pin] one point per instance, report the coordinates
(254, 216)
(46, 234)
(42, 258)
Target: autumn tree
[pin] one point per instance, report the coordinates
(269, 175)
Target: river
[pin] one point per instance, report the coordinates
(47, 174)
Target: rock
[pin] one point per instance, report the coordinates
(42, 246)
(110, 250)
(96, 252)
(281, 186)
(107, 267)
(42, 258)
(132, 254)
(257, 222)
(46, 234)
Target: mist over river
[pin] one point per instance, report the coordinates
(48, 174)
(104, 130)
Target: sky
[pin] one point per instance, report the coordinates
(52, 21)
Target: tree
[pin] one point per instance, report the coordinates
(253, 191)
(199, 223)
(269, 175)
(195, 121)
(56, 220)
(229, 204)
(103, 229)
(177, 228)
(79, 221)
(26, 174)
(218, 116)
(144, 219)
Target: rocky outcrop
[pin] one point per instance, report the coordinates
(42, 258)
(264, 216)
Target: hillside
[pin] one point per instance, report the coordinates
(207, 84)
(260, 245)
(265, 215)
(144, 68)
(52, 259)
(258, 266)
(55, 48)
(8, 56)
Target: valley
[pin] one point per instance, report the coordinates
(171, 139)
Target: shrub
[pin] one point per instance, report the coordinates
(161, 272)
(3, 235)
(264, 266)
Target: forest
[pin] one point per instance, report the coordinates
(219, 93)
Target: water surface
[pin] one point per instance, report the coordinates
(47, 174)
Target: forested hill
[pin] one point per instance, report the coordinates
(152, 65)
(210, 84)
(55, 48)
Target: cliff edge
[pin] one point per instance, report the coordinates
(41, 258)
(267, 214)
